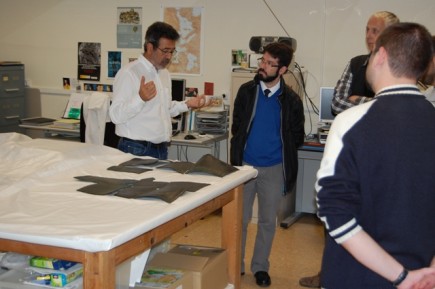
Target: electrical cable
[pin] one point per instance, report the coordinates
(308, 101)
(276, 18)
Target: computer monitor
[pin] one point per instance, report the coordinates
(178, 93)
(325, 112)
(178, 89)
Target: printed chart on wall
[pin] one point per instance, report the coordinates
(188, 22)
(129, 28)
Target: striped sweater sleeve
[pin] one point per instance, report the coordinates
(337, 183)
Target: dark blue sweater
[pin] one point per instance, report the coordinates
(264, 143)
(377, 174)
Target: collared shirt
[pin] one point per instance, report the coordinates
(343, 89)
(272, 89)
(143, 120)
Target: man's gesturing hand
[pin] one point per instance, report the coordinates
(147, 90)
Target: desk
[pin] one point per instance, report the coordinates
(49, 131)
(309, 158)
(43, 214)
(203, 141)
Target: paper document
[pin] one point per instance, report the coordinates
(74, 105)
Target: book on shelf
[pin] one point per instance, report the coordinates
(67, 123)
(243, 69)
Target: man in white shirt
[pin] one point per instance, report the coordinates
(142, 104)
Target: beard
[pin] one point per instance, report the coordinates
(164, 63)
(266, 78)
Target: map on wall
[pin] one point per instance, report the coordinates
(187, 21)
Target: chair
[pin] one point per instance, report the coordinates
(95, 124)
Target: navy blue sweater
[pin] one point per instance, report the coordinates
(378, 174)
(264, 145)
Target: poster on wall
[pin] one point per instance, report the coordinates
(89, 61)
(129, 28)
(188, 22)
(113, 63)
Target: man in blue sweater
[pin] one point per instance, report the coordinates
(268, 126)
(376, 195)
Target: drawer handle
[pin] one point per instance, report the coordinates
(12, 117)
(12, 89)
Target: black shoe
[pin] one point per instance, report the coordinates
(242, 273)
(262, 278)
(311, 282)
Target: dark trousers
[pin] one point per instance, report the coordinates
(144, 148)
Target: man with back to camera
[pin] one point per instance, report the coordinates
(374, 194)
(352, 88)
(268, 127)
(142, 104)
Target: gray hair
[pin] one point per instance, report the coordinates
(388, 17)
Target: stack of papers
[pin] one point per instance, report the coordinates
(67, 123)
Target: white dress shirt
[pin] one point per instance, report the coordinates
(143, 120)
(272, 89)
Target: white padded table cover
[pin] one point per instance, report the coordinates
(39, 201)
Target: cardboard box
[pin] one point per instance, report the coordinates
(51, 263)
(62, 278)
(208, 265)
(56, 278)
(155, 277)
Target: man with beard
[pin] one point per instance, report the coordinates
(268, 127)
(142, 104)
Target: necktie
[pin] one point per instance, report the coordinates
(266, 92)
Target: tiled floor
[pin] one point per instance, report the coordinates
(296, 251)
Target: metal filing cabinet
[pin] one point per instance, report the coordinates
(12, 103)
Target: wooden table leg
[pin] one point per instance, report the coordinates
(99, 271)
(232, 235)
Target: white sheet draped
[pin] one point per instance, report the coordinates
(39, 201)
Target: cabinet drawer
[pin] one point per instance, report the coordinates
(11, 80)
(12, 109)
(11, 128)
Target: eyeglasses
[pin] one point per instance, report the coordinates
(268, 63)
(168, 51)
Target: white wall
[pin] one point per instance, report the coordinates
(44, 34)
